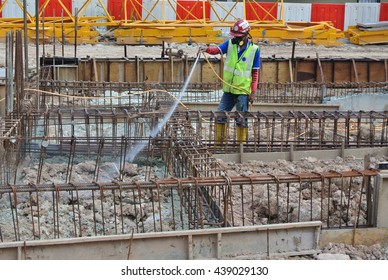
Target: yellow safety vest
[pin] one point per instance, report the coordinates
(238, 72)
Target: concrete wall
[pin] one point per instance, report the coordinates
(298, 155)
(381, 219)
(365, 102)
(221, 243)
(356, 236)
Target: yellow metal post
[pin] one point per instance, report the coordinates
(163, 12)
(3, 5)
(204, 11)
(125, 12)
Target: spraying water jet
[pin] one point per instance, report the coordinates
(139, 146)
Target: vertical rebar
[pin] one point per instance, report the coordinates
(75, 32)
(25, 39)
(37, 40)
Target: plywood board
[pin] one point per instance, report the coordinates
(103, 71)
(359, 71)
(342, 71)
(153, 71)
(116, 71)
(283, 70)
(210, 73)
(130, 73)
(327, 69)
(84, 72)
(305, 71)
(377, 72)
(269, 72)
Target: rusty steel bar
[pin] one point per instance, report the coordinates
(201, 195)
(305, 130)
(71, 92)
(191, 182)
(183, 203)
(188, 137)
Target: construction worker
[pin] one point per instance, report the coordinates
(240, 78)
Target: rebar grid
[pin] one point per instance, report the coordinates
(191, 157)
(269, 131)
(194, 92)
(188, 138)
(11, 147)
(282, 131)
(47, 211)
(124, 93)
(315, 92)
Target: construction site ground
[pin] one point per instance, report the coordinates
(331, 251)
(138, 172)
(284, 50)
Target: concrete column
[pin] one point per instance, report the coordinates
(382, 196)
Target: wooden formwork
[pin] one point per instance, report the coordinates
(274, 70)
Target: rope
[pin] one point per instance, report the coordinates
(103, 97)
(92, 97)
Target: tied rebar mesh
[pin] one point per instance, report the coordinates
(267, 92)
(46, 211)
(201, 193)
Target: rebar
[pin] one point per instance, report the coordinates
(194, 203)
(101, 123)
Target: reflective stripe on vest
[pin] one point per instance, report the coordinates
(238, 72)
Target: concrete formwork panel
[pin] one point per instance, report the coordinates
(360, 72)
(364, 102)
(224, 243)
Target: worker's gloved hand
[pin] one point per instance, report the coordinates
(251, 97)
(202, 49)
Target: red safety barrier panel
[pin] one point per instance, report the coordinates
(329, 12)
(192, 10)
(54, 9)
(116, 9)
(264, 11)
(383, 11)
